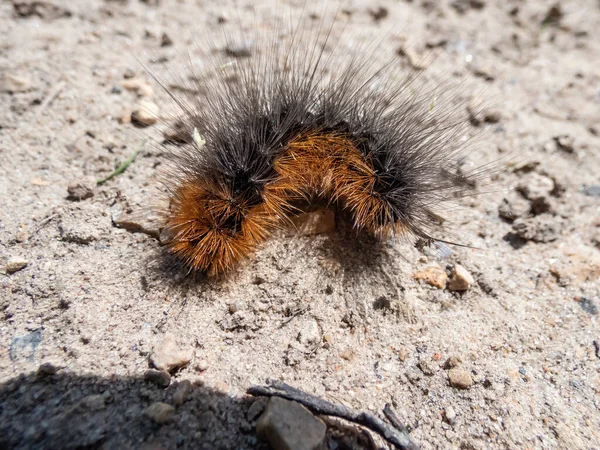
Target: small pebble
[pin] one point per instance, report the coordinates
(348, 354)
(433, 275)
(460, 279)
(237, 305)
(309, 333)
(534, 186)
(15, 264)
(403, 354)
(165, 40)
(238, 50)
(478, 114)
(138, 85)
(288, 425)
(379, 13)
(159, 412)
(169, 356)
(542, 228)
(93, 402)
(592, 191)
(178, 133)
(449, 414)
(124, 117)
(415, 60)
(206, 420)
(181, 392)
(553, 15)
(460, 378)
(588, 305)
(15, 83)
(21, 235)
(136, 222)
(80, 189)
(159, 377)
(145, 113)
(47, 369)
(452, 361)
(202, 365)
(222, 387)
(426, 367)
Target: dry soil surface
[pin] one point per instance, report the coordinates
(85, 308)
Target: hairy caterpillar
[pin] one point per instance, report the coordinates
(296, 122)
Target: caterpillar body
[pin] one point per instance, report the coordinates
(290, 125)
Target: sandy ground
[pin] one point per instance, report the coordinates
(324, 313)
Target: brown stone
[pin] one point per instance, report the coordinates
(433, 275)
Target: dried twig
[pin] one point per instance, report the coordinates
(395, 436)
(293, 315)
(393, 418)
(50, 97)
(45, 222)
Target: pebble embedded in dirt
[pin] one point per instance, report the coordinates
(202, 365)
(81, 189)
(170, 356)
(124, 117)
(460, 279)
(578, 268)
(159, 377)
(348, 354)
(94, 402)
(592, 191)
(165, 40)
(379, 14)
(159, 412)
(588, 305)
(178, 133)
(206, 420)
(426, 367)
(449, 414)
(460, 378)
(553, 15)
(433, 275)
(15, 83)
(15, 264)
(239, 49)
(403, 354)
(82, 223)
(452, 361)
(316, 222)
(534, 186)
(47, 369)
(513, 207)
(415, 60)
(463, 6)
(287, 425)
(565, 143)
(145, 113)
(309, 333)
(542, 228)
(44, 10)
(237, 305)
(140, 221)
(182, 391)
(121, 295)
(138, 85)
(478, 114)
